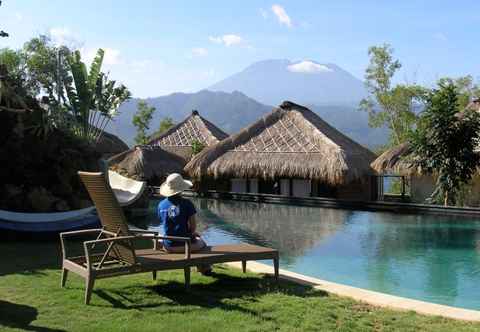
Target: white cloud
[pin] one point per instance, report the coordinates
(440, 36)
(282, 15)
(61, 36)
(308, 67)
(227, 40)
(264, 13)
(111, 57)
(199, 51)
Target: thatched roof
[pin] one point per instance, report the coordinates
(291, 141)
(110, 145)
(145, 162)
(395, 160)
(474, 105)
(179, 138)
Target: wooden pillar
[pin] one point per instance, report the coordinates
(290, 189)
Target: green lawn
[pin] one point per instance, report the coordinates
(31, 299)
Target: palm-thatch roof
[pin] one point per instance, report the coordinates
(179, 139)
(145, 162)
(474, 105)
(396, 160)
(291, 141)
(110, 145)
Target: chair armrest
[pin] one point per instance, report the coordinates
(80, 232)
(65, 235)
(187, 241)
(142, 231)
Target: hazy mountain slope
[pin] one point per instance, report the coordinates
(229, 111)
(306, 82)
(353, 123)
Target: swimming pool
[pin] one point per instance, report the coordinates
(424, 257)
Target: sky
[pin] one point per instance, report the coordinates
(159, 47)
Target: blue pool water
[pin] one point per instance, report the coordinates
(430, 258)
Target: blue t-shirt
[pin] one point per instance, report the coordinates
(174, 213)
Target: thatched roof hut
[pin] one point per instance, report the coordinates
(396, 160)
(110, 145)
(401, 160)
(146, 162)
(179, 139)
(169, 152)
(292, 142)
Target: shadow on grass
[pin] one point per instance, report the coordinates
(20, 316)
(29, 257)
(210, 295)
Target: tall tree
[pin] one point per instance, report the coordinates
(165, 124)
(389, 106)
(141, 120)
(445, 141)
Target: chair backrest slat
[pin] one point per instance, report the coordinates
(110, 213)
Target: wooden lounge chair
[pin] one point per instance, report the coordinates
(113, 252)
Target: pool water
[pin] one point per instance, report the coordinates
(424, 257)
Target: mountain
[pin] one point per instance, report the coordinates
(229, 111)
(305, 82)
(326, 89)
(353, 123)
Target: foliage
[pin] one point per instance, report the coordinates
(45, 66)
(92, 98)
(165, 125)
(197, 147)
(397, 104)
(445, 141)
(141, 120)
(31, 165)
(76, 100)
(466, 87)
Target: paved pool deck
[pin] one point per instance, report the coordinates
(368, 296)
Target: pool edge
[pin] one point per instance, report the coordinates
(368, 296)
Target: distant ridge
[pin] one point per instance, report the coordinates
(228, 111)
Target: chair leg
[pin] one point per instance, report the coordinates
(244, 266)
(276, 267)
(89, 283)
(154, 275)
(64, 277)
(186, 272)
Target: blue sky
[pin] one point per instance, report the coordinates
(159, 47)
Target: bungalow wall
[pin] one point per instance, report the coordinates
(302, 188)
(360, 190)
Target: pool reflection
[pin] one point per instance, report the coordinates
(432, 258)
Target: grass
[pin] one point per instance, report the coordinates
(31, 299)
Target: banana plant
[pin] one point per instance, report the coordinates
(93, 98)
(80, 88)
(108, 99)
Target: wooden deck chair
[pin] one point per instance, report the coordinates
(113, 252)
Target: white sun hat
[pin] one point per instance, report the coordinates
(174, 184)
